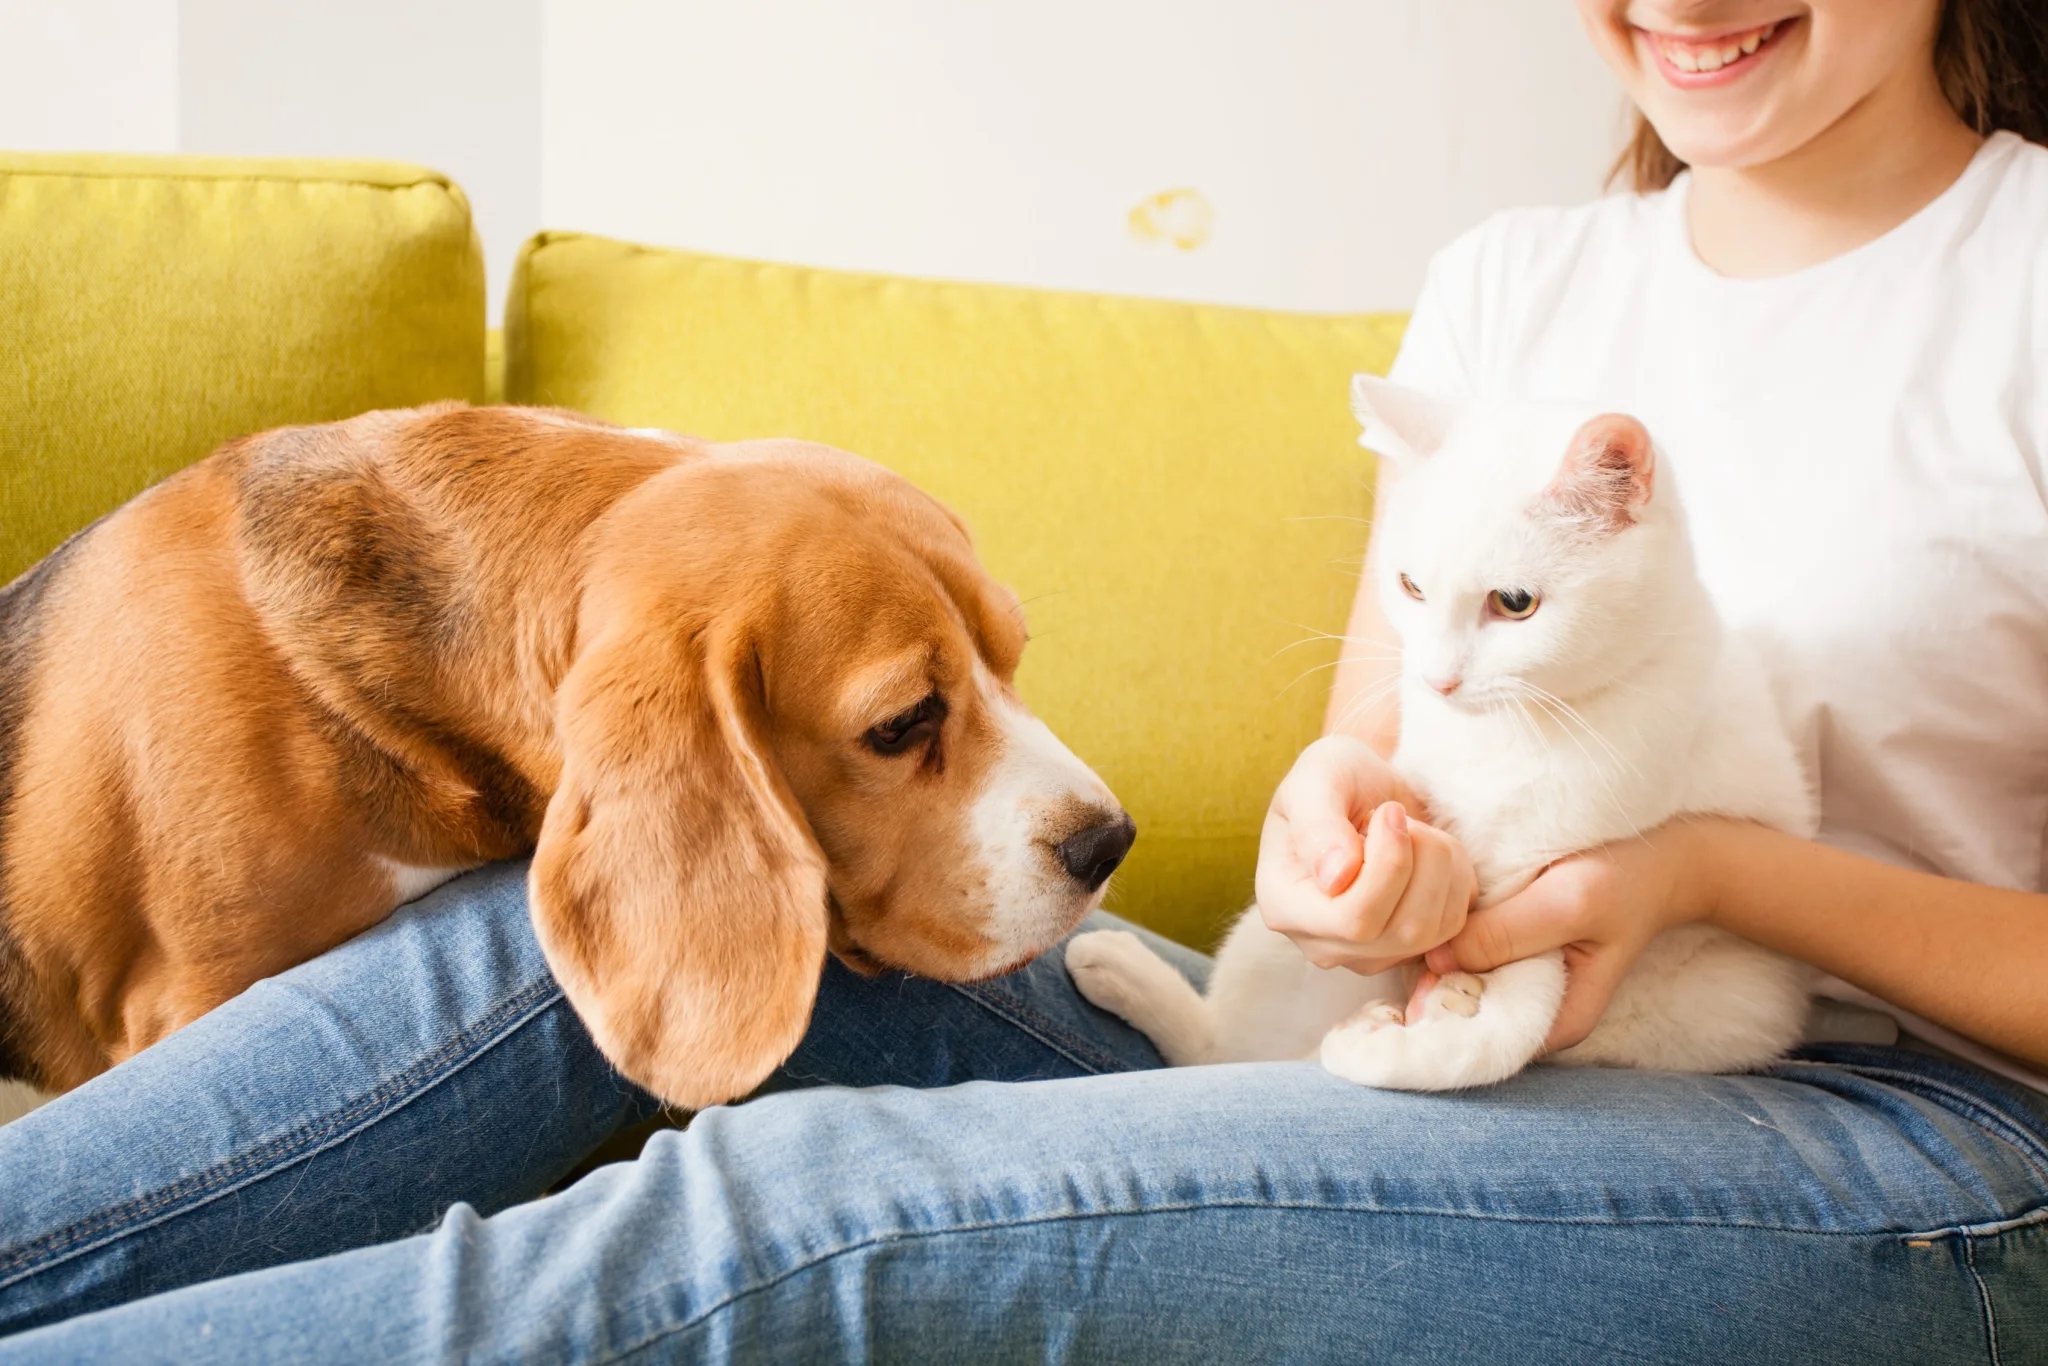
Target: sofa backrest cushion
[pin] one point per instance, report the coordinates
(1175, 491)
(152, 307)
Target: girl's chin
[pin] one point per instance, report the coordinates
(1719, 149)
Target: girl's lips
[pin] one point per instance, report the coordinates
(1694, 63)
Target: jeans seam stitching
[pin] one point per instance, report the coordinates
(1072, 1048)
(287, 1149)
(1994, 1228)
(1983, 1299)
(1076, 1216)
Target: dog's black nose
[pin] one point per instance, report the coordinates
(1093, 854)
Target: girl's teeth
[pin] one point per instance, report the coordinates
(1696, 59)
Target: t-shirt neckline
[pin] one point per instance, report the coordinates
(1996, 148)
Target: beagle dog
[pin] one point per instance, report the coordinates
(744, 704)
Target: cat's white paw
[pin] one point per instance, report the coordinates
(1114, 970)
(1445, 1045)
(1455, 993)
(1377, 1015)
(1395, 1057)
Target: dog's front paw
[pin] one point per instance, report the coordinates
(1114, 970)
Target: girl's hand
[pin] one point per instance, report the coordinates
(1348, 873)
(1601, 908)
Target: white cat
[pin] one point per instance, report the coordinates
(1565, 682)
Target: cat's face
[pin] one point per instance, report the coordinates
(1524, 556)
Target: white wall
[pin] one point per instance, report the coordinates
(1329, 144)
(452, 84)
(1336, 142)
(89, 73)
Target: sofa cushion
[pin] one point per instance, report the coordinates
(1175, 491)
(152, 307)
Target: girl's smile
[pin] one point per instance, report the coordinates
(1697, 62)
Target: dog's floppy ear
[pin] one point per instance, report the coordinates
(676, 890)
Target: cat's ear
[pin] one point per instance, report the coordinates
(1608, 474)
(1400, 423)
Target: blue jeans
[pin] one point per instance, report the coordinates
(329, 1168)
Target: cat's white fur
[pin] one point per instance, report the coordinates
(1620, 703)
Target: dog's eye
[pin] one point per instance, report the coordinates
(1512, 603)
(903, 733)
(1408, 587)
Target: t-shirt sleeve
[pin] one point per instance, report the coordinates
(1437, 349)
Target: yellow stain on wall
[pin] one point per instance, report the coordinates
(1182, 217)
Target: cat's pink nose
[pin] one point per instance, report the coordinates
(1445, 685)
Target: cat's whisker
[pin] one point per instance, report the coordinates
(1374, 695)
(1573, 716)
(1315, 638)
(1312, 635)
(1528, 722)
(1365, 702)
(1545, 700)
(1318, 668)
(1565, 718)
(1518, 713)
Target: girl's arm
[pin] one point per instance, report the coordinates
(1364, 701)
(1965, 956)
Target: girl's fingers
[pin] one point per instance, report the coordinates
(1339, 863)
(1326, 800)
(1458, 897)
(1389, 867)
(1360, 912)
(1342, 953)
(1413, 924)
(1530, 922)
(1320, 836)
(1589, 987)
(1413, 893)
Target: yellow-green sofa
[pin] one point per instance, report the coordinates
(1174, 490)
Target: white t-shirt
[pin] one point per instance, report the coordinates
(1862, 447)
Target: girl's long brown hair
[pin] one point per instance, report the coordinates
(1991, 56)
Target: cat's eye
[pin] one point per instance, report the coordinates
(1516, 604)
(906, 731)
(1408, 587)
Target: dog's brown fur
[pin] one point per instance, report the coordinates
(453, 635)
